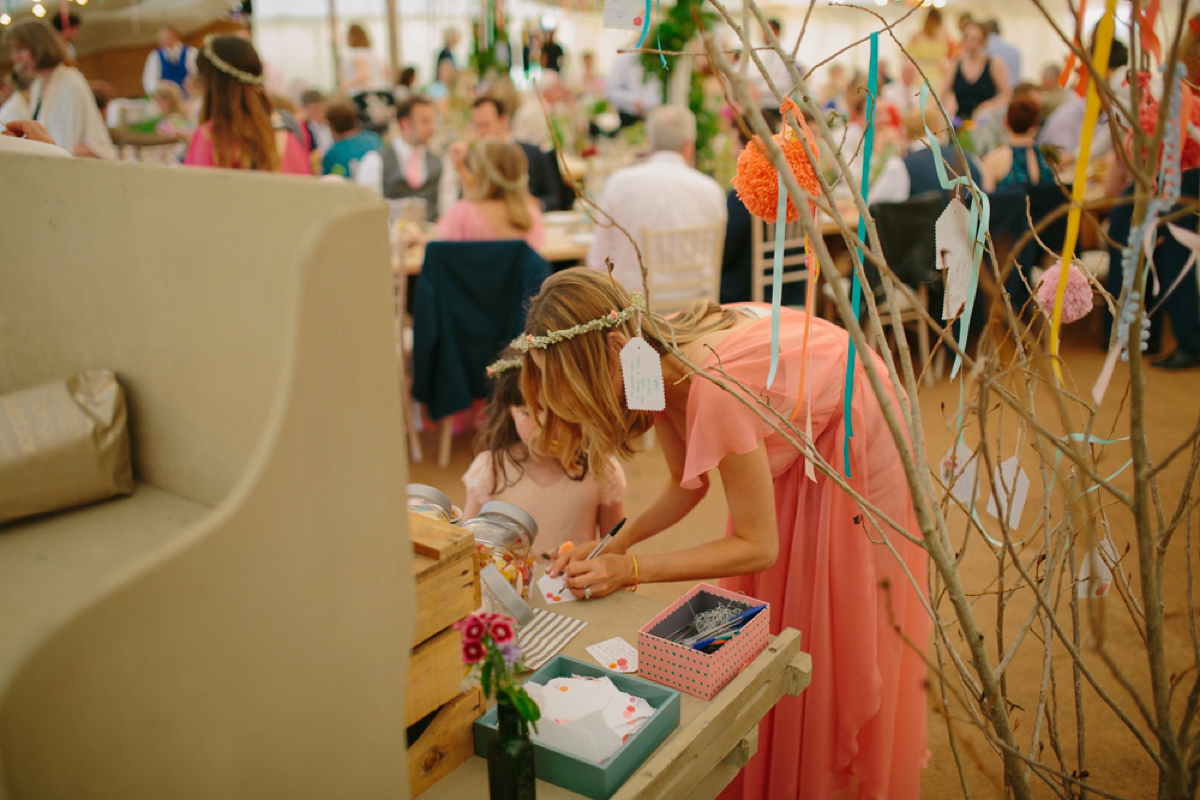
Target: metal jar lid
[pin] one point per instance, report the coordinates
(521, 517)
(430, 493)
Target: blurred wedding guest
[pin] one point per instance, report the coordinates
(405, 84)
(364, 77)
(978, 81)
(631, 91)
(235, 130)
(637, 196)
(496, 202)
(490, 120)
(172, 115)
(1051, 93)
(1003, 50)
(588, 83)
(312, 106)
(69, 34)
(904, 92)
(446, 54)
(552, 56)
(14, 96)
(171, 61)
(781, 74)
(351, 142)
(930, 48)
(1063, 129)
(1019, 163)
(530, 124)
(405, 167)
(59, 98)
(915, 172)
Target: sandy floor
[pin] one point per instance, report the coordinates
(1114, 760)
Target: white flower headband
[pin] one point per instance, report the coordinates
(493, 175)
(503, 365)
(224, 66)
(612, 319)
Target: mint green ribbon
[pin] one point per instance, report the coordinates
(855, 286)
(777, 279)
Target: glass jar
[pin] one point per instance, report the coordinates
(504, 538)
(429, 502)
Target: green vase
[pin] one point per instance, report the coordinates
(510, 757)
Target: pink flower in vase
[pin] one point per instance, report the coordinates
(472, 652)
(502, 631)
(473, 628)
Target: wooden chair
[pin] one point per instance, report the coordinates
(683, 265)
(795, 269)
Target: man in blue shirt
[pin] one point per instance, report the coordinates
(350, 141)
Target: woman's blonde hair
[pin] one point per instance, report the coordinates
(356, 36)
(502, 173)
(574, 383)
(171, 95)
(240, 113)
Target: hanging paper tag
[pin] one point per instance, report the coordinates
(960, 469)
(626, 15)
(641, 367)
(1095, 576)
(1011, 482)
(954, 255)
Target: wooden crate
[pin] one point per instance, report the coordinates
(447, 582)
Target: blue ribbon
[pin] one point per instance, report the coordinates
(855, 286)
(978, 220)
(645, 25)
(777, 279)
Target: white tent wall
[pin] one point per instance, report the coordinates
(293, 35)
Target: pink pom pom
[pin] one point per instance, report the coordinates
(1077, 300)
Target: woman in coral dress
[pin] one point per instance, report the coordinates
(802, 545)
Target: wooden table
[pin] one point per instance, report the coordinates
(714, 739)
(138, 140)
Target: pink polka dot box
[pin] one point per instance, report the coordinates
(694, 671)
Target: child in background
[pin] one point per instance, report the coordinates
(173, 119)
(567, 508)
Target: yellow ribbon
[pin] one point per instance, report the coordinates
(1091, 112)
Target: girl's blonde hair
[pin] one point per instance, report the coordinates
(502, 173)
(240, 113)
(574, 383)
(171, 96)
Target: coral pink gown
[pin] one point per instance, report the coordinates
(859, 729)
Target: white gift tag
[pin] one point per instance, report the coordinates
(555, 589)
(615, 654)
(641, 367)
(960, 469)
(954, 255)
(1095, 563)
(1010, 481)
(624, 14)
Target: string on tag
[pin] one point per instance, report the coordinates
(1091, 112)
(855, 286)
(804, 391)
(978, 220)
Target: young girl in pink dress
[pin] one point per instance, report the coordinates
(802, 545)
(496, 202)
(568, 506)
(235, 121)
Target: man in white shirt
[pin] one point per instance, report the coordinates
(630, 90)
(664, 191)
(60, 97)
(172, 61)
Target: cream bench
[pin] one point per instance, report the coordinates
(240, 625)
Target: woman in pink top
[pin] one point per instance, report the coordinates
(496, 202)
(235, 129)
(854, 589)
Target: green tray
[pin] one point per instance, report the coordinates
(597, 781)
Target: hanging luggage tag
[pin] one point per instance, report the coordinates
(954, 256)
(641, 369)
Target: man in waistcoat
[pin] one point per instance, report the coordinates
(406, 167)
(172, 61)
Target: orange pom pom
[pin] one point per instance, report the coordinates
(757, 182)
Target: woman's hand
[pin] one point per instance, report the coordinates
(602, 575)
(569, 553)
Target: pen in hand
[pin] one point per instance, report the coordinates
(603, 543)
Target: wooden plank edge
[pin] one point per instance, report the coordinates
(744, 750)
(670, 771)
(446, 743)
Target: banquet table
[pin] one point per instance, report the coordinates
(568, 234)
(715, 738)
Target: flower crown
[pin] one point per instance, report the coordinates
(503, 365)
(612, 319)
(224, 66)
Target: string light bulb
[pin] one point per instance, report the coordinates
(5, 19)
(39, 11)
(81, 2)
